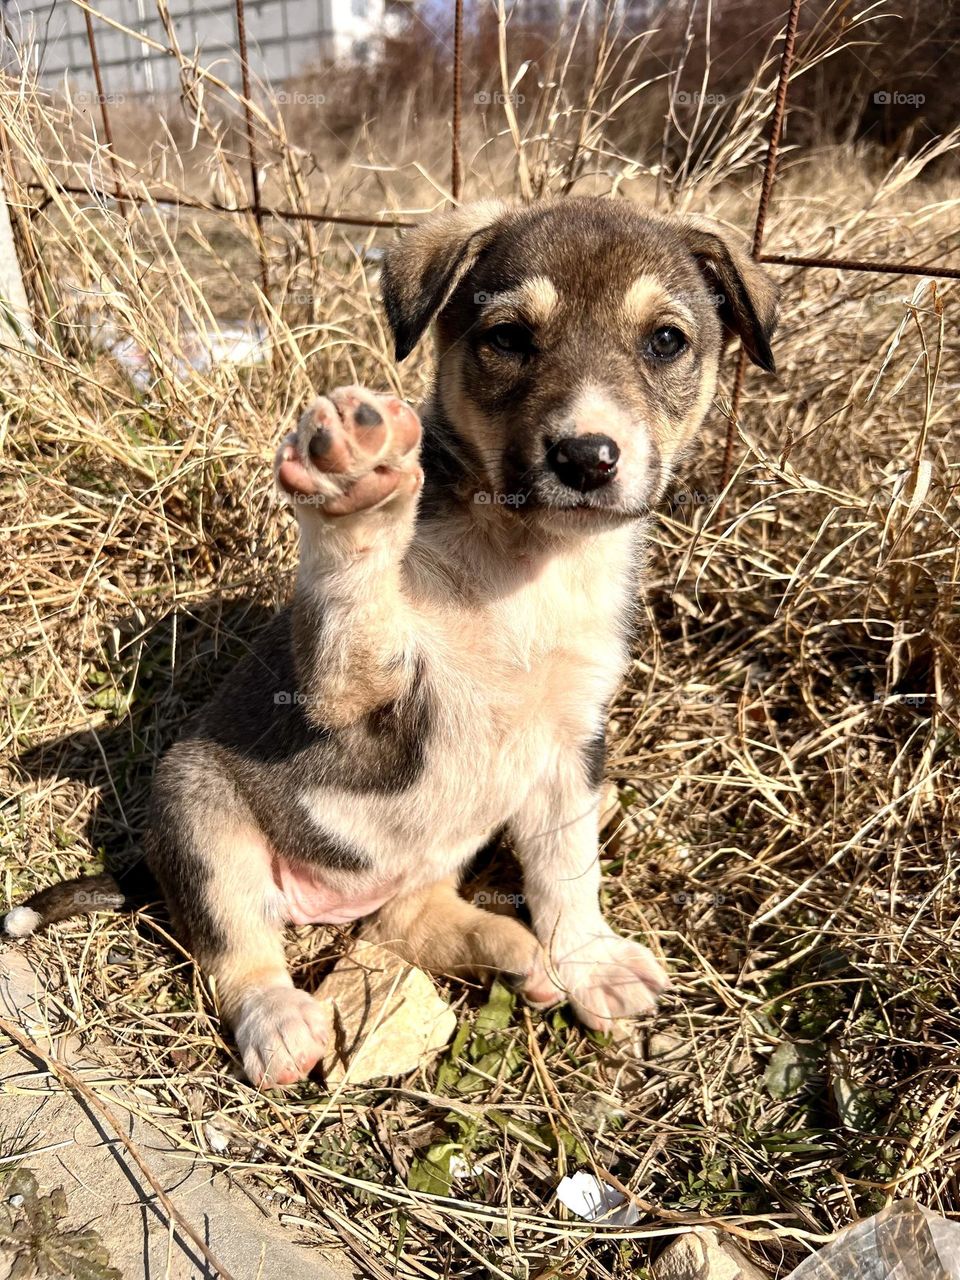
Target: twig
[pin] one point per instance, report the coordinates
(692, 1220)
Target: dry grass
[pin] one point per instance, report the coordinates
(785, 748)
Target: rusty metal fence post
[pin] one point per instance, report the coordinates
(252, 149)
(104, 110)
(766, 189)
(456, 159)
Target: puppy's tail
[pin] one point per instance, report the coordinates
(79, 897)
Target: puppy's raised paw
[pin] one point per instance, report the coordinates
(282, 1034)
(352, 452)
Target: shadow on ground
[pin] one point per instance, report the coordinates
(166, 671)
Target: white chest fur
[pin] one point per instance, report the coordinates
(519, 669)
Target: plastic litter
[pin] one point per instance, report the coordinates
(589, 1198)
(903, 1242)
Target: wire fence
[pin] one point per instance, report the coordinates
(261, 212)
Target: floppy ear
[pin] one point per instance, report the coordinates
(422, 271)
(747, 297)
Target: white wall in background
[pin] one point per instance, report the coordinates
(283, 37)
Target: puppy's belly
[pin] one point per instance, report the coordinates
(309, 899)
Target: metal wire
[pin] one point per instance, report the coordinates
(214, 206)
(766, 190)
(858, 264)
(251, 147)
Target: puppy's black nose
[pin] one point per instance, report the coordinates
(584, 462)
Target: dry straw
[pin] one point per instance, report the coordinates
(785, 747)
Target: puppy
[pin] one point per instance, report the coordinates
(459, 626)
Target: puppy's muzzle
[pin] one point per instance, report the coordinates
(584, 463)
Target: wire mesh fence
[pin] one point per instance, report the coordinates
(252, 206)
(260, 210)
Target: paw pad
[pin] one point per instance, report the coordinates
(351, 452)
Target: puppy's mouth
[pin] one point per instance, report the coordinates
(586, 512)
(546, 498)
(580, 481)
(592, 516)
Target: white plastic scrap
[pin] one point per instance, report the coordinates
(589, 1198)
(905, 1241)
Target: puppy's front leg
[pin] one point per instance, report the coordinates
(351, 473)
(603, 975)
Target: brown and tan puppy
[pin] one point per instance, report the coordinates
(459, 626)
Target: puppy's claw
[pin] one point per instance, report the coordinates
(539, 989)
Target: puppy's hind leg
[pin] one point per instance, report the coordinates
(215, 869)
(438, 930)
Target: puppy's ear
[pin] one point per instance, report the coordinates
(746, 295)
(422, 271)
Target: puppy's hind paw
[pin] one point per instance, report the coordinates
(282, 1034)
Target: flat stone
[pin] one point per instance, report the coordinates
(704, 1254)
(67, 1144)
(386, 1017)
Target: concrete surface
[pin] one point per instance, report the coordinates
(73, 1148)
(12, 293)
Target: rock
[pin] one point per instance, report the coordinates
(788, 1070)
(704, 1254)
(662, 1045)
(386, 1016)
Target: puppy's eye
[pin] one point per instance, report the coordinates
(666, 343)
(510, 339)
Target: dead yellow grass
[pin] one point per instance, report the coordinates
(786, 748)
